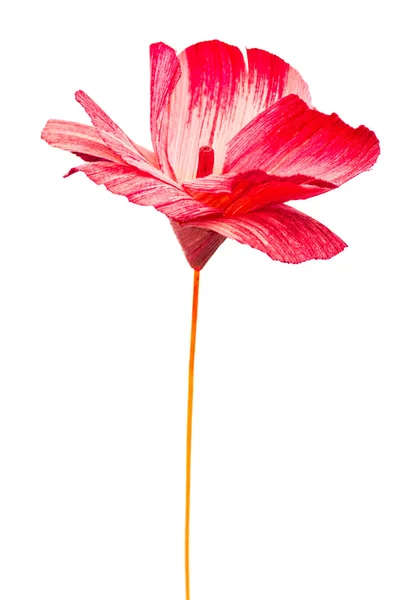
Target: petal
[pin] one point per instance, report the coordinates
(117, 140)
(202, 105)
(77, 138)
(216, 96)
(197, 244)
(290, 138)
(239, 193)
(141, 188)
(165, 72)
(282, 232)
(270, 78)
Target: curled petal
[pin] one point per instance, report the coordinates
(282, 232)
(141, 188)
(165, 72)
(290, 138)
(239, 193)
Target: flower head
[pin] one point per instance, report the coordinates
(232, 143)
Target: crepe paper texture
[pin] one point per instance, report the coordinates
(234, 139)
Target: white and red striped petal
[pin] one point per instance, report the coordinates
(290, 138)
(142, 188)
(269, 79)
(79, 139)
(282, 232)
(215, 97)
(239, 193)
(202, 107)
(165, 71)
(118, 141)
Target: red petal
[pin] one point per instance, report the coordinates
(216, 96)
(282, 232)
(165, 72)
(239, 193)
(117, 140)
(290, 138)
(77, 138)
(197, 244)
(141, 188)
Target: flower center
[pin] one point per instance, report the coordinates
(206, 161)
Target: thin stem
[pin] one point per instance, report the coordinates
(196, 280)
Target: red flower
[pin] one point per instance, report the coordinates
(232, 144)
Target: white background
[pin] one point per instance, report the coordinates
(296, 445)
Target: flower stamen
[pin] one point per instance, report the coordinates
(206, 161)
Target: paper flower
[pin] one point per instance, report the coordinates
(232, 144)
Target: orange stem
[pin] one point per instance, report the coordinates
(196, 280)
